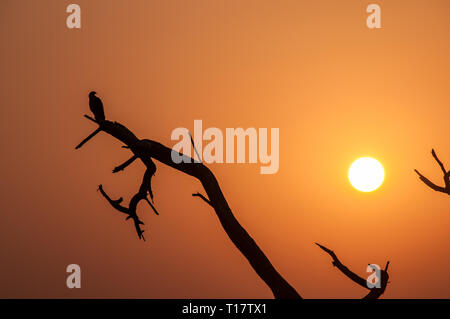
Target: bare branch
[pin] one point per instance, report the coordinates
(195, 149)
(146, 150)
(336, 262)
(375, 292)
(151, 205)
(130, 211)
(114, 203)
(88, 138)
(121, 167)
(430, 183)
(92, 119)
(438, 161)
(446, 188)
(202, 197)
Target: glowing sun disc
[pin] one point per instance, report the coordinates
(366, 174)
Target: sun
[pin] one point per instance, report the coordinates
(366, 174)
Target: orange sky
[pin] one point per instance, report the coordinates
(336, 89)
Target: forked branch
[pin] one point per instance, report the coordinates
(146, 150)
(376, 291)
(202, 197)
(130, 210)
(437, 188)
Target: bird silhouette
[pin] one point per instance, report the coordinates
(96, 106)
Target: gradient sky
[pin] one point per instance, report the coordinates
(336, 89)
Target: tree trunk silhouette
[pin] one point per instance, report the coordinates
(146, 150)
(433, 186)
(375, 292)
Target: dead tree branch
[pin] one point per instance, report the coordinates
(375, 292)
(121, 167)
(433, 186)
(130, 210)
(88, 138)
(202, 197)
(146, 150)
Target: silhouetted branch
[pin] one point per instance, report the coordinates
(430, 183)
(375, 292)
(337, 263)
(433, 186)
(91, 118)
(195, 149)
(88, 138)
(114, 203)
(146, 150)
(438, 161)
(125, 164)
(130, 211)
(202, 197)
(151, 205)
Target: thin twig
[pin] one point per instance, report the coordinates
(91, 118)
(124, 165)
(375, 292)
(195, 149)
(202, 197)
(433, 186)
(438, 161)
(88, 138)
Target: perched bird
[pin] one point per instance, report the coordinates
(96, 106)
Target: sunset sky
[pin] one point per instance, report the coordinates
(336, 89)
